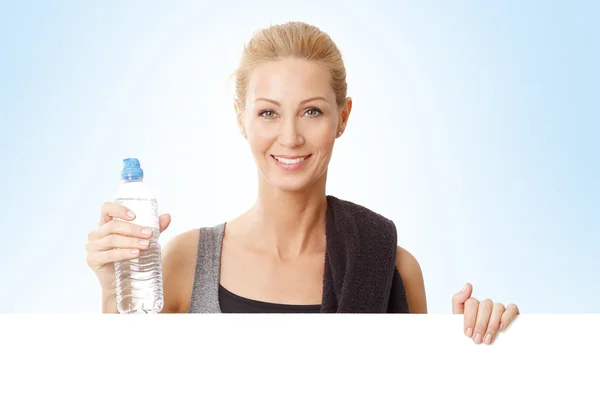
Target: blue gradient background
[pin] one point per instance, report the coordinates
(475, 128)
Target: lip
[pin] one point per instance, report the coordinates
(291, 156)
(291, 167)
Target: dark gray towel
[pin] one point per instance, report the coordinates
(360, 262)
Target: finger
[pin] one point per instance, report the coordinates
(471, 307)
(494, 324)
(483, 318)
(508, 316)
(164, 222)
(101, 258)
(458, 300)
(112, 210)
(117, 241)
(121, 228)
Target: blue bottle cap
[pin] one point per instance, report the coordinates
(131, 170)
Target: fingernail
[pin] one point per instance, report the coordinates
(465, 288)
(478, 338)
(144, 243)
(147, 231)
(469, 332)
(135, 251)
(501, 326)
(130, 214)
(488, 339)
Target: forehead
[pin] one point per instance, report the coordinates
(289, 80)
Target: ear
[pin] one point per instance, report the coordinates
(344, 116)
(240, 118)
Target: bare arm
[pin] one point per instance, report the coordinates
(412, 277)
(179, 263)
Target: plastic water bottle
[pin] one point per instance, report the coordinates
(139, 280)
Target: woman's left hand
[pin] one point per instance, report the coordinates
(482, 319)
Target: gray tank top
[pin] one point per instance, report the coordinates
(205, 292)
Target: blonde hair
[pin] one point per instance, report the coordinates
(292, 39)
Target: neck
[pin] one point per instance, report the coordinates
(289, 223)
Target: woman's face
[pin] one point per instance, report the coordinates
(291, 121)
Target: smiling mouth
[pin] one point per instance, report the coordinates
(290, 163)
(290, 160)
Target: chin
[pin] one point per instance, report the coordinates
(290, 184)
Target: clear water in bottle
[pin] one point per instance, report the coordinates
(139, 280)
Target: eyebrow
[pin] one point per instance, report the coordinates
(303, 102)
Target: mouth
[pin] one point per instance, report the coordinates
(290, 162)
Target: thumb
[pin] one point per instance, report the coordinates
(459, 299)
(164, 221)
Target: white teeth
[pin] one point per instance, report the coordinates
(289, 161)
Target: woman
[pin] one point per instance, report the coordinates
(291, 106)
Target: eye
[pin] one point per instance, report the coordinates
(267, 114)
(313, 112)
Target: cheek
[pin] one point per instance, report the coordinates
(320, 133)
(261, 134)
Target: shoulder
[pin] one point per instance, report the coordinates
(178, 265)
(412, 277)
(380, 232)
(407, 263)
(355, 210)
(180, 249)
(350, 216)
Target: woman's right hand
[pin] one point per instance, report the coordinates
(115, 240)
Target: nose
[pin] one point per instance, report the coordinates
(289, 135)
